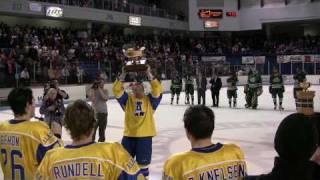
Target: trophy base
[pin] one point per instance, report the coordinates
(136, 68)
(304, 102)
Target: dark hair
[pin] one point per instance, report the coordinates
(316, 117)
(296, 128)
(80, 119)
(18, 100)
(199, 121)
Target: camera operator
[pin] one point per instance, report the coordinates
(99, 96)
(52, 107)
(61, 94)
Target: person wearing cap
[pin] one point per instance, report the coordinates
(296, 142)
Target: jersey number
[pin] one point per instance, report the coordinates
(15, 154)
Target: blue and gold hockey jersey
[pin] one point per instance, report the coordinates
(109, 161)
(216, 162)
(23, 144)
(139, 121)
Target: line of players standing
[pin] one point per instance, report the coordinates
(252, 89)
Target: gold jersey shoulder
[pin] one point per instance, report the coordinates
(96, 160)
(34, 130)
(27, 141)
(226, 162)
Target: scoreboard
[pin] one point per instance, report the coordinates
(213, 15)
(210, 13)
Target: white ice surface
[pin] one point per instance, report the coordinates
(252, 130)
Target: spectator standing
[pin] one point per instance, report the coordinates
(99, 96)
(65, 74)
(25, 77)
(80, 74)
(10, 71)
(3, 73)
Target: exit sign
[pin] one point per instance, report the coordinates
(231, 14)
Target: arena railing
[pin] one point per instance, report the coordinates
(309, 61)
(164, 68)
(120, 7)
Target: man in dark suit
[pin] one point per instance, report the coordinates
(216, 84)
(201, 87)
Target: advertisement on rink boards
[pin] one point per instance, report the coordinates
(298, 58)
(214, 59)
(253, 60)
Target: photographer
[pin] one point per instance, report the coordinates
(98, 96)
(52, 107)
(61, 94)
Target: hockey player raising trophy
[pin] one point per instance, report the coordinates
(135, 62)
(139, 109)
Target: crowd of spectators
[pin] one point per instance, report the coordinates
(33, 54)
(51, 53)
(256, 45)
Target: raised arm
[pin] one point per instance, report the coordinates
(156, 90)
(118, 90)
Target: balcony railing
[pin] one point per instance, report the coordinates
(112, 5)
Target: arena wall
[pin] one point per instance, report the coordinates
(80, 91)
(253, 17)
(22, 8)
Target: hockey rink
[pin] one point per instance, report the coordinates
(252, 130)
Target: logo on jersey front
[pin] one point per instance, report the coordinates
(139, 111)
(276, 80)
(252, 79)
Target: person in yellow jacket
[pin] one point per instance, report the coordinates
(139, 121)
(206, 160)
